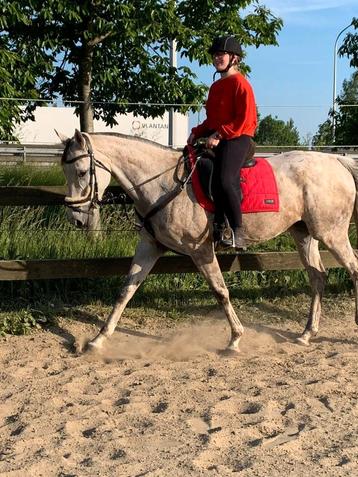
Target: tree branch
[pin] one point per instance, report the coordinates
(99, 39)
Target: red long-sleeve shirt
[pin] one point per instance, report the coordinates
(230, 109)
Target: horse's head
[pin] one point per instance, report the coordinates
(87, 178)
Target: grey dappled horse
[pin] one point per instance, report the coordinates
(317, 200)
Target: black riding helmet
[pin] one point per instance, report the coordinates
(229, 44)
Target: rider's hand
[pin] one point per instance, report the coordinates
(191, 139)
(212, 141)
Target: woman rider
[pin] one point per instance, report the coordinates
(229, 127)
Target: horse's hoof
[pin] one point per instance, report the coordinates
(86, 347)
(92, 348)
(302, 341)
(229, 352)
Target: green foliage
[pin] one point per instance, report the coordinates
(17, 80)
(324, 135)
(21, 322)
(349, 46)
(275, 132)
(346, 117)
(116, 51)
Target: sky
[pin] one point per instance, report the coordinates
(295, 79)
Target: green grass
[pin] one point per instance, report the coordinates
(45, 233)
(27, 175)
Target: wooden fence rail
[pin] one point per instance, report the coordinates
(116, 266)
(30, 153)
(105, 267)
(43, 195)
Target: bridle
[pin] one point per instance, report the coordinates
(92, 197)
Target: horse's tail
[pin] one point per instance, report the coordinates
(352, 166)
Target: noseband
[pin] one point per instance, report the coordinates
(92, 196)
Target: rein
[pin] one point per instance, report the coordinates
(167, 198)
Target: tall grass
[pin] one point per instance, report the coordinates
(45, 233)
(27, 175)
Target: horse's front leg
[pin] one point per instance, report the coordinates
(207, 264)
(147, 253)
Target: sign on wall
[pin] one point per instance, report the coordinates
(47, 119)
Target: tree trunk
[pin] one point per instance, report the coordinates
(86, 110)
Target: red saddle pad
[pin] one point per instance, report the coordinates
(258, 186)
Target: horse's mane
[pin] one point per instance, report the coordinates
(133, 138)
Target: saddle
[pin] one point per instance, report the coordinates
(258, 187)
(205, 166)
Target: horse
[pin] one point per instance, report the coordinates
(318, 197)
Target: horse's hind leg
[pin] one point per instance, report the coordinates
(340, 247)
(207, 264)
(308, 250)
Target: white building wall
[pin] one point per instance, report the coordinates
(47, 119)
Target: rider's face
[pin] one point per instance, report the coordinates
(221, 60)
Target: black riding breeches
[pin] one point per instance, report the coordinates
(230, 157)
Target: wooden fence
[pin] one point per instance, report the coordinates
(105, 267)
(29, 153)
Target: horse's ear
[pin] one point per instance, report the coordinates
(63, 138)
(80, 138)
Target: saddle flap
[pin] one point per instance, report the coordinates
(258, 184)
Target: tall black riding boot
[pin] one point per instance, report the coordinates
(239, 242)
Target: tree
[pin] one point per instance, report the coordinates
(346, 116)
(18, 73)
(324, 135)
(346, 132)
(112, 54)
(275, 132)
(349, 46)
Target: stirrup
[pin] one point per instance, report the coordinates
(225, 243)
(220, 235)
(229, 242)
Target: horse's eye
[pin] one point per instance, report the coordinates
(82, 174)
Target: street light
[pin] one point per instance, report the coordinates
(171, 124)
(335, 82)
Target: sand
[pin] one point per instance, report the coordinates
(161, 400)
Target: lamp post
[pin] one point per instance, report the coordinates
(171, 124)
(335, 82)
